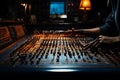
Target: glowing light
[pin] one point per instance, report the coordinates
(23, 4)
(62, 70)
(63, 16)
(85, 5)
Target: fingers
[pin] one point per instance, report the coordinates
(96, 42)
(93, 43)
(101, 38)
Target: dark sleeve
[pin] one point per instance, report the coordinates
(109, 25)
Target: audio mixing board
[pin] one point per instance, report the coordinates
(60, 50)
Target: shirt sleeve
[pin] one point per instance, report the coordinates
(109, 25)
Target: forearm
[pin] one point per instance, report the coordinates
(116, 38)
(91, 31)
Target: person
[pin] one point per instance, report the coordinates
(110, 31)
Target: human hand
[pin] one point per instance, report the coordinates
(109, 40)
(72, 31)
(102, 40)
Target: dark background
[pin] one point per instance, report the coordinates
(12, 9)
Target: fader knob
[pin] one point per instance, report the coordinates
(76, 60)
(57, 60)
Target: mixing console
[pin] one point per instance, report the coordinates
(58, 50)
